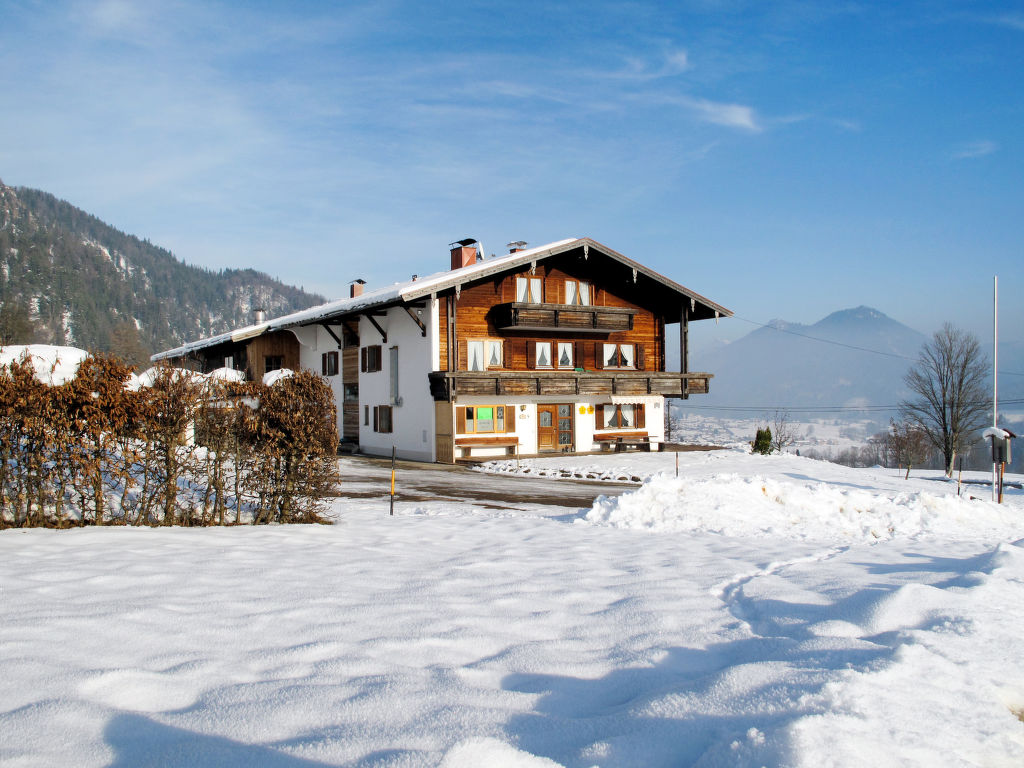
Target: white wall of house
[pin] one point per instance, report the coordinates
(584, 422)
(314, 341)
(413, 413)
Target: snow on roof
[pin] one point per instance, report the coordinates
(424, 286)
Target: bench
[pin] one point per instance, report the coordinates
(467, 444)
(620, 440)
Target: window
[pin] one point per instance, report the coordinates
(329, 364)
(620, 416)
(577, 292)
(229, 362)
(382, 418)
(371, 359)
(393, 365)
(349, 338)
(529, 290)
(473, 419)
(542, 356)
(366, 415)
(618, 356)
(565, 354)
(484, 353)
(351, 394)
(273, 363)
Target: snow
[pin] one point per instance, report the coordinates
(458, 634)
(270, 378)
(53, 365)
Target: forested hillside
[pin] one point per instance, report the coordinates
(68, 278)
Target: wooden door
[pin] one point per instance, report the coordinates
(547, 428)
(555, 427)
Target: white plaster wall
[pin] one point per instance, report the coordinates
(413, 419)
(584, 423)
(313, 342)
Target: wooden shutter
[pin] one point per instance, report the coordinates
(598, 355)
(323, 364)
(510, 418)
(598, 417)
(639, 352)
(362, 359)
(376, 418)
(638, 416)
(506, 353)
(460, 420)
(531, 354)
(577, 354)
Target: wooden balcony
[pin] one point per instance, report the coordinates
(447, 385)
(517, 316)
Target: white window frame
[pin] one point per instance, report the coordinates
(565, 345)
(537, 355)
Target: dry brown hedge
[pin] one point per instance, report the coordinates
(187, 450)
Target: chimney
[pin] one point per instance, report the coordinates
(355, 288)
(463, 253)
(517, 246)
(259, 315)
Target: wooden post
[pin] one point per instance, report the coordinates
(677, 463)
(392, 480)
(684, 348)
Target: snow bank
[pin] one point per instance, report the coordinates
(53, 365)
(734, 505)
(273, 377)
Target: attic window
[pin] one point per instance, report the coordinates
(577, 292)
(529, 290)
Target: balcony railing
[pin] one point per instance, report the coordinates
(554, 317)
(447, 385)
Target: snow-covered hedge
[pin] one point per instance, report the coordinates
(83, 441)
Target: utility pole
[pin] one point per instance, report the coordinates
(995, 381)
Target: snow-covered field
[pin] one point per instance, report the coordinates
(754, 611)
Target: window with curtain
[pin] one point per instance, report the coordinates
(482, 354)
(565, 354)
(529, 290)
(577, 292)
(543, 354)
(619, 356)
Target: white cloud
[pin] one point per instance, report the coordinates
(721, 113)
(974, 149)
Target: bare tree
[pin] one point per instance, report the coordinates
(783, 434)
(950, 401)
(909, 445)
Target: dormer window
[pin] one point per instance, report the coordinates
(577, 292)
(529, 290)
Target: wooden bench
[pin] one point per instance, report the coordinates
(620, 440)
(467, 444)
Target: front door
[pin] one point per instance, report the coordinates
(554, 427)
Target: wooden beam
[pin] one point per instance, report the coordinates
(334, 336)
(376, 325)
(415, 319)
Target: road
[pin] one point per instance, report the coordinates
(367, 477)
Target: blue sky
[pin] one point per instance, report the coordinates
(784, 159)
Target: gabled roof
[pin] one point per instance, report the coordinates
(413, 290)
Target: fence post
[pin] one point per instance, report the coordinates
(392, 480)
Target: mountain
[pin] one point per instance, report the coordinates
(68, 278)
(785, 364)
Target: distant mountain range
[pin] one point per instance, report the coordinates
(853, 357)
(68, 278)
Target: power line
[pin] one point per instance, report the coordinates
(818, 409)
(841, 344)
